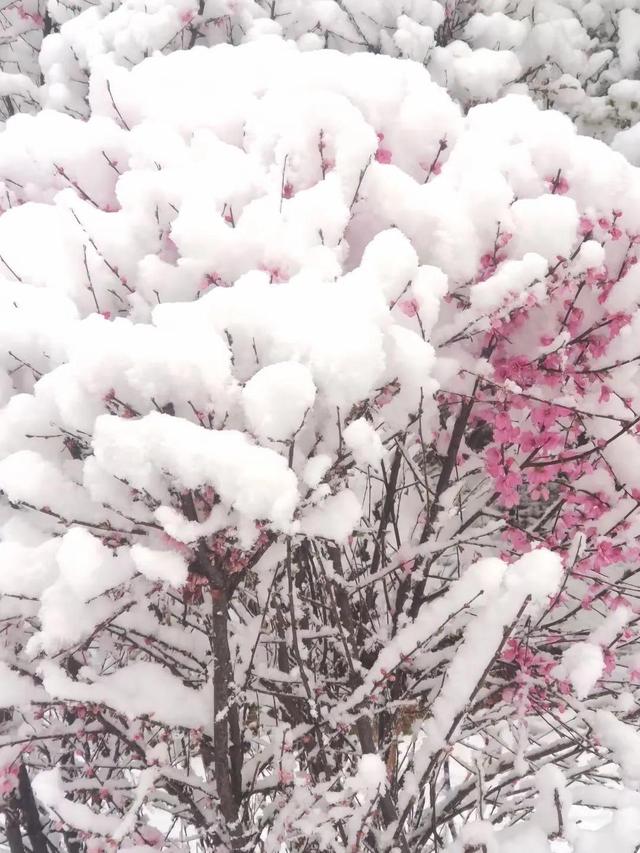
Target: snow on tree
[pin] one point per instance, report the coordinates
(319, 465)
(581, 58)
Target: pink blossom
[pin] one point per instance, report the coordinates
(559, 184)
(504, 430)
(407, 566)
(586, 225)
(176, 545)
(609, 661)
(409, 307)
(383, 155)
(385, 396)
(208, 280)
(7, 786)
(285, 777)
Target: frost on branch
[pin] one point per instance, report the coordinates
(318, 524)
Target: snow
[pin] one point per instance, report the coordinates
(533, 577)
(622, 739)
(371, 776)
(49, 790)
(612, 626)
(413, 39)
(26, 570)
(525, 837)
(315, 469)
(26, 476)
(412, 360)
(583, 665)
(334, 518)
(622, 831)
(483, 73)
(65, 619)
(390, 261)
(495, 29)
(135, 689)
(183, 530)
(536, 575)
(17, 689)
(627, 142)
(254, 480)
(629, 45)
(364, 442)
(87, 566)
(428, 287)
(131, 358)
(546, 225)
(167, 566)
(477, 834)
(252, 273)
(513, 278)
(590, 256)
(276, 399)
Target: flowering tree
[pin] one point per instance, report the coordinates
(581, 58)
(318, 463)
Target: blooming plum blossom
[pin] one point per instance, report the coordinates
(319, 475)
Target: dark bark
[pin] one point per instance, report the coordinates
(12, 826)
(227, 748)
(30, 813)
